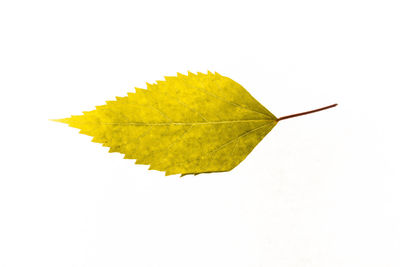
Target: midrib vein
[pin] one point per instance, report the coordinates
(182, 123)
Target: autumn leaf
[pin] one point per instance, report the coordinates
(189, 124)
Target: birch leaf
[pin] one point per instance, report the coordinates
(189, 124)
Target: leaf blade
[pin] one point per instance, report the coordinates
(184, 125)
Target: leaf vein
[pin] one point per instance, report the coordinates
(182, 123)
(218, 148)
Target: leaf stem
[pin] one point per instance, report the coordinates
(305, 113)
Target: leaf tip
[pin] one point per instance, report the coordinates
(65, 120)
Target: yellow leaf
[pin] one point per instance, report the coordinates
(188, 124)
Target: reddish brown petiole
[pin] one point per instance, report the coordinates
(305, 113)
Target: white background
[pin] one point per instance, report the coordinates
(320, 190)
